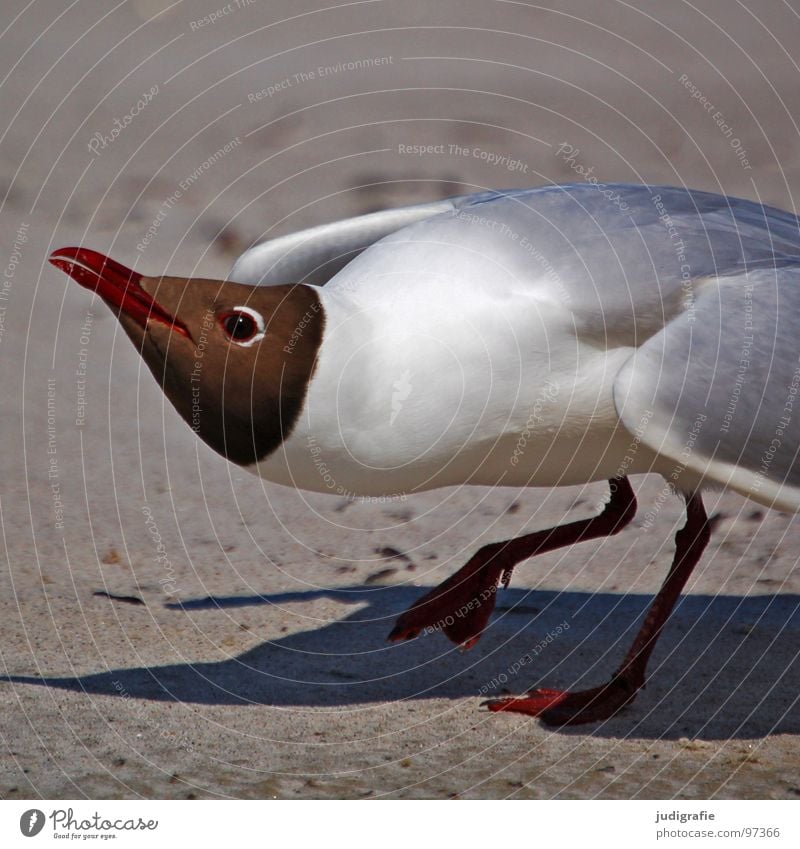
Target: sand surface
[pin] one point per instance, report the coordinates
(247, 658)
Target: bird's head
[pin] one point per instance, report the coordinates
(234, 360)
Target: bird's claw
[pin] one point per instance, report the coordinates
(562, 707)
(464, 630)
(533, 704)
(461, 606)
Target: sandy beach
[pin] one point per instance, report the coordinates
(173, 627)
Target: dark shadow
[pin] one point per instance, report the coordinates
(725, 667)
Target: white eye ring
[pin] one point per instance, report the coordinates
(257, 318)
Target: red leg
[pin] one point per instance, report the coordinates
(557, 707)
(461, 605)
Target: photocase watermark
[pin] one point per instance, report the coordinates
(322, 467)
(743, 366)
(80, 372)
(100, 141)
(523, 242)
(788, 407)
(633, 447)
(719, 119)
(766, 460)
(156, 223)
(489, 157)
(677, 470)
(782, 425)
(67, 825)
(167, 581)
(52, 457)
(680, 252)
(315, 449)
(218, 14)
(569, 153)
(32, 822)
(504, 677)
(402, 391)
(463, 611)
(186, 183)
(548, 393)
(194, 378)
(320, 72)
(301, 325)
(183, 186)
(10, 271)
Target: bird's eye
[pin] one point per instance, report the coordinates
(242, 325)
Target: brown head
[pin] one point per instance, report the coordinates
(234, 360)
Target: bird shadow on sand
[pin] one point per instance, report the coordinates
(725, 667)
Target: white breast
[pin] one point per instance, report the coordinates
(442, 364)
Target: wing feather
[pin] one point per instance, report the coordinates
(718, 390)
(315, 255)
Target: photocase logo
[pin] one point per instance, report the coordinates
(31, 822)
(402, 389)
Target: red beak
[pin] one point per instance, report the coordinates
(117, 285)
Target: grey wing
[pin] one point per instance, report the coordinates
(627, 257)
(593, 235)
(716, 391)
(315, 255)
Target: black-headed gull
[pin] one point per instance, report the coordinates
(540, 337)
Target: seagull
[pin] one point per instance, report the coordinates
(540, 337)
